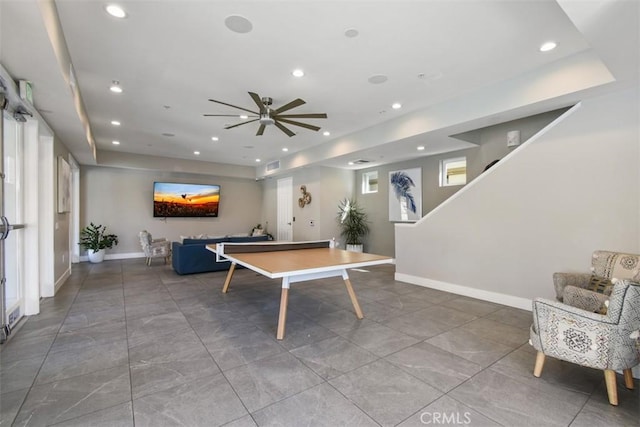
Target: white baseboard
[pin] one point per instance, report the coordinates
(509, 300)
(63, 278)
(129, 255)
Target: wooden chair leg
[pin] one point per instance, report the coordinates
(628, 379)
(612, 390)
(537, 370)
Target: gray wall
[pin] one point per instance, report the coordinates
(327, 187)
(492, 145)
(122, 199)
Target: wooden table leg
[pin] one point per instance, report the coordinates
(282, 319)
(225, 288)
(352, 295)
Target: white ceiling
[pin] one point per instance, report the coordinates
(170, 57)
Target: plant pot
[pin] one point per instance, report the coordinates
(354, 248)
(96, 257)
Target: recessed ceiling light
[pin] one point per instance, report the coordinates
(396, 106)
(546, 47)
(115, 11)
(115, 87)
(214, 138)
(238, 24)
(326, 133)
(285, 149)
(243, 116)
(350, 163)
(115, 142)
(377, 79)
(420, 147)
(115, 122)
(351, 33)
(297, 72)
(258, 160)
(197, 153)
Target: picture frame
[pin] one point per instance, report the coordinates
(405, 195)
(64, 186)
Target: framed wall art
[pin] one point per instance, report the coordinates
(405, 195)
(64, 186)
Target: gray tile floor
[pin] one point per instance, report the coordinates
(125, 344)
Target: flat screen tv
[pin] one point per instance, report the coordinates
(172, 199)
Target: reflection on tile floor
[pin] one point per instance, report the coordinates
(125, 344)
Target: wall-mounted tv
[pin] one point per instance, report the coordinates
(172, 199)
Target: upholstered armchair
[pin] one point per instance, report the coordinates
(602, 341)
(604, 265)
(154, 248)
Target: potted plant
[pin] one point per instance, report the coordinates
(94, 239)
(354, 224)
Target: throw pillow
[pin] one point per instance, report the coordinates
(602, 285)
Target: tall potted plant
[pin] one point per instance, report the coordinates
(94, 239)
(354, 224)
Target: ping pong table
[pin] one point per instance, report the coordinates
(295, 262)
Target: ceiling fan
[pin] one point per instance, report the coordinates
(268, 116)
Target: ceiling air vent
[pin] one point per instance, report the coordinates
(273, 166)
(361, 162)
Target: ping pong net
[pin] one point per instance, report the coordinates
(253, 247)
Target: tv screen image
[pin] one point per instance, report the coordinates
(172, 199)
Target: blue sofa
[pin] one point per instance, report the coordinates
(191, 256)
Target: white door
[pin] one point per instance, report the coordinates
(11, 227)
(285, 209)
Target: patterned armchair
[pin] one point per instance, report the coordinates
(602, 341)
(154, 248)
(604, 265)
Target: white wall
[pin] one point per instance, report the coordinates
(327, 187)
(544, 208)
(122, 199)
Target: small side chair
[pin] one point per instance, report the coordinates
(602, 341)
(154, 248)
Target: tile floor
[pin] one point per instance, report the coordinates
(124, 344)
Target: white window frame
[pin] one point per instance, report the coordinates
(368, 185)
(450, 163)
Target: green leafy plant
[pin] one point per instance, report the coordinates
(94, 237)
(354, 224)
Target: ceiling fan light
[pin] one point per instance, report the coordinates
(266, 119)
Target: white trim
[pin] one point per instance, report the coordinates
(74, 226)
(46, 220)
(509, 300)
(130, 255)
(32, 211)
(62, 279)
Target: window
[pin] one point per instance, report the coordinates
(453, 172)
(370, 182)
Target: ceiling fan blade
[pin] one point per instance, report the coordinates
(304, 116)
(234, 106)
(256, 98)
(224, 115)
(260, 130)
(283, 129)
(291, 122)
(293, 104)
(240, 124)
